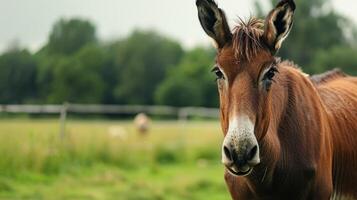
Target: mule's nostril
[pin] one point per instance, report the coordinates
(227, 153)
(252, 152)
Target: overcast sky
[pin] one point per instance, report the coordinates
(29, 21)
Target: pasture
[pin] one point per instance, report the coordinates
(107, 159)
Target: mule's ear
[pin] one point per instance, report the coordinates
(278, 24)
(213, 21)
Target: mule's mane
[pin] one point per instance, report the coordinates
(247, 38)
(317, 78)
(288, 63)
(327, 76)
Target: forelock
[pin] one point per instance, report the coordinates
(247, 38)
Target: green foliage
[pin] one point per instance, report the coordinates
(75, 80)
(124, 71)
(180, 92)
(110, 73)
(148, 68)
(17, 77)
(316, 30)
(144, 58)
(72, 65)
(44, 77)
(338, 57)
(68, 36)
(190, 83)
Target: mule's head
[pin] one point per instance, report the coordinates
(245, 68)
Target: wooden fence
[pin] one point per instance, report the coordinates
(181, 113)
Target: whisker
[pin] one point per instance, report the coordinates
(265, 172)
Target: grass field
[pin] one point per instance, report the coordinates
(110, 160)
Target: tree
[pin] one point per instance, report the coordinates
(68, 36)
(78, 78)
(317, 28)
(101, 59)
(70, 64)
(144, 58)
(45, 71)
(179, 92)
(111, 71)
(190, 83)
(17, 77)
(338, 57)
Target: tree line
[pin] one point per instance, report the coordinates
(149, 68)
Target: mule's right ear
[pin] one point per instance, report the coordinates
(213, 21)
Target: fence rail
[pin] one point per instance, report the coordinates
(111, 109)
(31, 109)
(182, 113)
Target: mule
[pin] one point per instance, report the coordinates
(286, 135)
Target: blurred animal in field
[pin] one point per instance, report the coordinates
(142, 122)
(118, 132)
(286, 135)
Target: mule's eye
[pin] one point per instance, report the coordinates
(218, 72)
(268, 77)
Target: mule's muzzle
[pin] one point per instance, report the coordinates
(240, 161)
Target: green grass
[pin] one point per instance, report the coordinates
(96, 160)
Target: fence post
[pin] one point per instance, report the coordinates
(63, 117)
(182, 118)
(183, 114)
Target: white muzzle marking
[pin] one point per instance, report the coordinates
(240, 136)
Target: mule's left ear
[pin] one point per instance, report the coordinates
(278, 24)
(213, 21)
